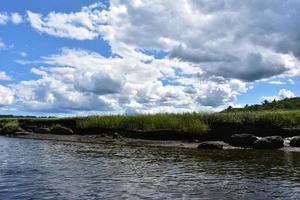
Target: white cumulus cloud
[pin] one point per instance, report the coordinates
(4, 76)
(215, 50)
(282, 94)
(16, 18)
(6, 96)
(79, 80)
(83, 25)
(3, 18)
(244, 40)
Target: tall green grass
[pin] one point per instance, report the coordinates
(192, 122)
(11, 124)
(196, 123)
(276, 118)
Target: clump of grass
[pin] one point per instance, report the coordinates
(191, 123)
(10, 125)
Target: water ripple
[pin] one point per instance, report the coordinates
(55, 170)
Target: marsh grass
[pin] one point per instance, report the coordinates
(14, 124)
(10, 125)
(178, 122)
(276, 118)
(195, 123)
(192, 122)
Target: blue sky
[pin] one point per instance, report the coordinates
(97, 57)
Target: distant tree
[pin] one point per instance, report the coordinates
(229, 108)
(265, 102)
(288, 104)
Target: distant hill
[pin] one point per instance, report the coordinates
(285, 104)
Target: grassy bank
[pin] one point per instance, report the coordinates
(174, 126)
(192, 123)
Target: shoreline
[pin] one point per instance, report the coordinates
(257, 130)
(100, 139)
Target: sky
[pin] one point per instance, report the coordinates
(81, 57)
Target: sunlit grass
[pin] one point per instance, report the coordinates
(180, 122)
(195, 123)
(278, 118)
(190, 122)
(11, 124)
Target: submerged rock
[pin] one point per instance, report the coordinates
(295, 141)
(61, 130)
(211, 145)
(271, 142)
(242, 140)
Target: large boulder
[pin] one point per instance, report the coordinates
(61, 130)
(295, 141)
(271, 142)
(242, 140)
(211, 145)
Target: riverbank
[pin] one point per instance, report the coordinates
(119, 140)
(201, 126)
(188, 129)
(101, 139)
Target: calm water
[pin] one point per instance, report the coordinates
(31, 169)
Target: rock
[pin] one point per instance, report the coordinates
(61, 130)
(11, 130)
(21, 133)
(211, 145)
(271, 142)
(42, 130)
(29, 128)
(295, 141)
(242, 140)
(116, 135)
(194, 141)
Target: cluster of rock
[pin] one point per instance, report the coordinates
(295, 141)
(6, 130)
(61, 130)
(250, 141)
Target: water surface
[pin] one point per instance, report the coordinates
(33, 169)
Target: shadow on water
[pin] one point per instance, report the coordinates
(48, 169)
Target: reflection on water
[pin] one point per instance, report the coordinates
(45, 169)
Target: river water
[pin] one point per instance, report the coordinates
(33, 169)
